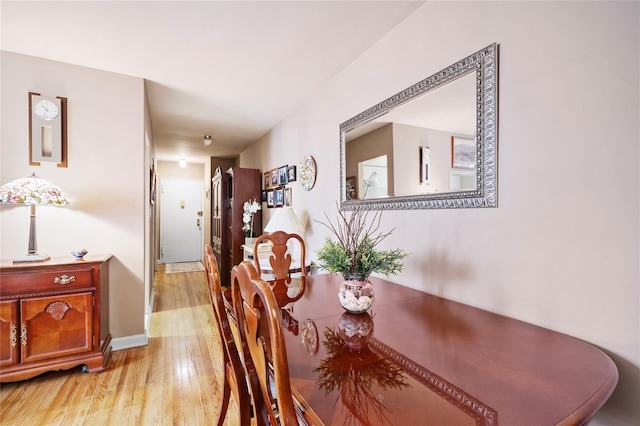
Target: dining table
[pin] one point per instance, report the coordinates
(419, 359)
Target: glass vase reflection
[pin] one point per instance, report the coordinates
(356, 296)
(355, 330)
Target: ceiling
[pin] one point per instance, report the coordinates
(229, 69)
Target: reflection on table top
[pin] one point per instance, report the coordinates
(419, 359)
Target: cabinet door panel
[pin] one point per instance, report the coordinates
(57, 326)
(9, 333)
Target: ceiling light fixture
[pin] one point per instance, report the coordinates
(206, 140)
(183, 162)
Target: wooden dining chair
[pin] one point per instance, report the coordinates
(280, 258)
(234, 379)
(261, 334)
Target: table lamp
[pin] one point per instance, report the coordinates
(284, 219)
(32, 191)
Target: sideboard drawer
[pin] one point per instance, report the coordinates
(54, 280)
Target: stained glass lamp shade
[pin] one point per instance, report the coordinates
(33, 191)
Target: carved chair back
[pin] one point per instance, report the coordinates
(261, 333)
(280, 257)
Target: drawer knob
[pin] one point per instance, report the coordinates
(64, 279)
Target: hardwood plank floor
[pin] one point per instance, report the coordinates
(175, 380)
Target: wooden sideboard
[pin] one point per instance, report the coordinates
(54, 315)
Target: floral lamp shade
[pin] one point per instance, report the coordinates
(33, 191)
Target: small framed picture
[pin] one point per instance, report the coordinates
(267, 180)
(291, 174)
(269, 199)
(274, 177)
(279, 196)
(287, 197)
(425, 163)
(463, 153)
(282, 175)
(264, 196)
(351, 188)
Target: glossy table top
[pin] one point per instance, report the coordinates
(419, 359)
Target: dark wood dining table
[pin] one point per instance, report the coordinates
(419, 359)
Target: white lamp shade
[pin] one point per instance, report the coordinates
(284, 219)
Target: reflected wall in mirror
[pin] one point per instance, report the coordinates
(433, 145)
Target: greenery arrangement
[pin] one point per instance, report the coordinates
(354, 254)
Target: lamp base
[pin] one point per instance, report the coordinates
(33, 257)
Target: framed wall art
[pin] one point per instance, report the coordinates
(425, 163)
(274, 177)
(269, 199)
(282, 175)
(291, 174)
(463, 153)
(279, 196)
(287, 197)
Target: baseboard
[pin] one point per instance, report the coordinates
(127, 342)
(147, 315)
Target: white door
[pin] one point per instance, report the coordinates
(181, 220)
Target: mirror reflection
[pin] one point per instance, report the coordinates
(430, 146)
(430, 122)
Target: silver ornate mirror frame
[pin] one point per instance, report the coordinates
(485, 65)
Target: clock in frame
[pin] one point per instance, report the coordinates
(47, 130)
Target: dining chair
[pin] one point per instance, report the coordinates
(262, 340)
(234, 379)
(280, 258)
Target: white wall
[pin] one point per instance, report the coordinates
(104, 177)
(562, 248)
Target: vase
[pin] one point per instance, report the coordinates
(249, 242)
(355, 295)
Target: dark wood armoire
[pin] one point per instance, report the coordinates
(229, 191)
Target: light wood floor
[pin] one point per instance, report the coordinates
(175, 380)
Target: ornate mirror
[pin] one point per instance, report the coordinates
(431, 146)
